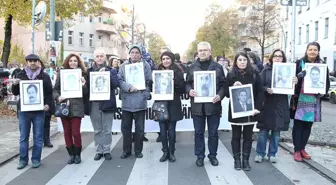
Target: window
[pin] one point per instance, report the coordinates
(100, 19)
(316, 30)
(300, 33)
(286, 37)
(91, 40)
(81, 39)
(70, 37)
(307, 33)
(287, 12)
(91, 19)
(100, 40)
(81, 18)
(300, 10)
(326, 28)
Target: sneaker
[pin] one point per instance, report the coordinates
(21, 165)
(305, 155)
(297, 156)
(258, 159)
(36, 164)
(272, 159)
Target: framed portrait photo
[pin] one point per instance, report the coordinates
(135, 75)
(242, 102)
(31, 95)
(282, 78)
(100, 86)
(71, 84)
(315, 79)
(205, 86)
(163, 86)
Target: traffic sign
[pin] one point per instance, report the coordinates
(290, 2)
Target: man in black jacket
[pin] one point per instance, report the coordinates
(32, 72)
(210, 111)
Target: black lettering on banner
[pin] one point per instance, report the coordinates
(186, 111)
(184, 97)
(149, 114)
(118, 114)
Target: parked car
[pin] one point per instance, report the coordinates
(332, 90)
(4, 75)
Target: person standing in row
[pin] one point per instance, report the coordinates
(134, 104)
(72, 123)
(102, 112)
(206, 112)
(307, 107)
(243, 73)
(275, 113)
(32, 72)
(174, 107)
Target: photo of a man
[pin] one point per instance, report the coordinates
(133, 74)
(32, 96)
(315, 74)
(163, 83)
(71, 83)
(100, 85)
(283, 77)
(242, 101)
(205, 85)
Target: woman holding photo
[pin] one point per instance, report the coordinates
(275, 113)
(306, 108)
(243, 73)
(168, 128)
(71, 123)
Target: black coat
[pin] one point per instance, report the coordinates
(47, 89)
(275, 113)
(258, 93)
(209, 108)
(175, 106)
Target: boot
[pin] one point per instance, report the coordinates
(247, 145)
(164, 157)
(235, 145)
(78, 151)
(172, 157)
(71, 154)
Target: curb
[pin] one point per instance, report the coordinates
(16, 154)
(318, 143)
(316, 166)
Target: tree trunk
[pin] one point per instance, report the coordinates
(7, 41)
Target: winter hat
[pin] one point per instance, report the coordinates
(169, 54)
(32, 57)
(135, 46)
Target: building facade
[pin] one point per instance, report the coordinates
(314, 22)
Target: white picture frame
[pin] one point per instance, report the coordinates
(205, 86)
(71, 83)
(282, 78)
(31, 95)
(315, 79)
(163, 85)
(134, 74)
(238, 93)
(100, 86)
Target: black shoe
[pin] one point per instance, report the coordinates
(125, 155)
(77, 152)
(139, 155)
(108, 156)
(71, 154)
(172, 157)
(114, 133)
(237, 163)
(213, 161)
(49, 145)
(97, 157)
(164, 157)
(246, 165)
(77, 159)
(158, 139)
(145, 138)
(200, 162)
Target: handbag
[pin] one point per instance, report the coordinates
(62, 109)
(160, 111)
(293, 105)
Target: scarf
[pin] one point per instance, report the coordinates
(96, 68)
(32, 74)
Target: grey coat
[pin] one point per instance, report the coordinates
(136, 101)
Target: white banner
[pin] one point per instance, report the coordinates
(186, 124)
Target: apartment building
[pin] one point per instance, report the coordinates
(314, 22)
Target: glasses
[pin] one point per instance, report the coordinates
(277, 56)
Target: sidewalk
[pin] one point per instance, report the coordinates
(9, 134)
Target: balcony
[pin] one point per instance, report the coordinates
(111, 6)
(106, 28)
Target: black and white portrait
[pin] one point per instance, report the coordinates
(314, 81)
(100, 85)
(205, 85)
(71, 85)
(282, 78)
(163, 86)
(135, 75)
(242, 103)
(31, 95)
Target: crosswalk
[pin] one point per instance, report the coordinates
(149, 171)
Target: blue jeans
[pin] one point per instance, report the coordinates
(25, 120)
(168, 136)
(273, 145)
(199, 126)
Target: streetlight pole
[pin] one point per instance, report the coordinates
(293, 29)
(33, 26)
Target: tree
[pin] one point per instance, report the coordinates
(20, 11)
(262, 24)
(17, 55)
(155, 42)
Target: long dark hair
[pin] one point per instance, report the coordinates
(284, 58)
(318, 58)
(248, 69)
